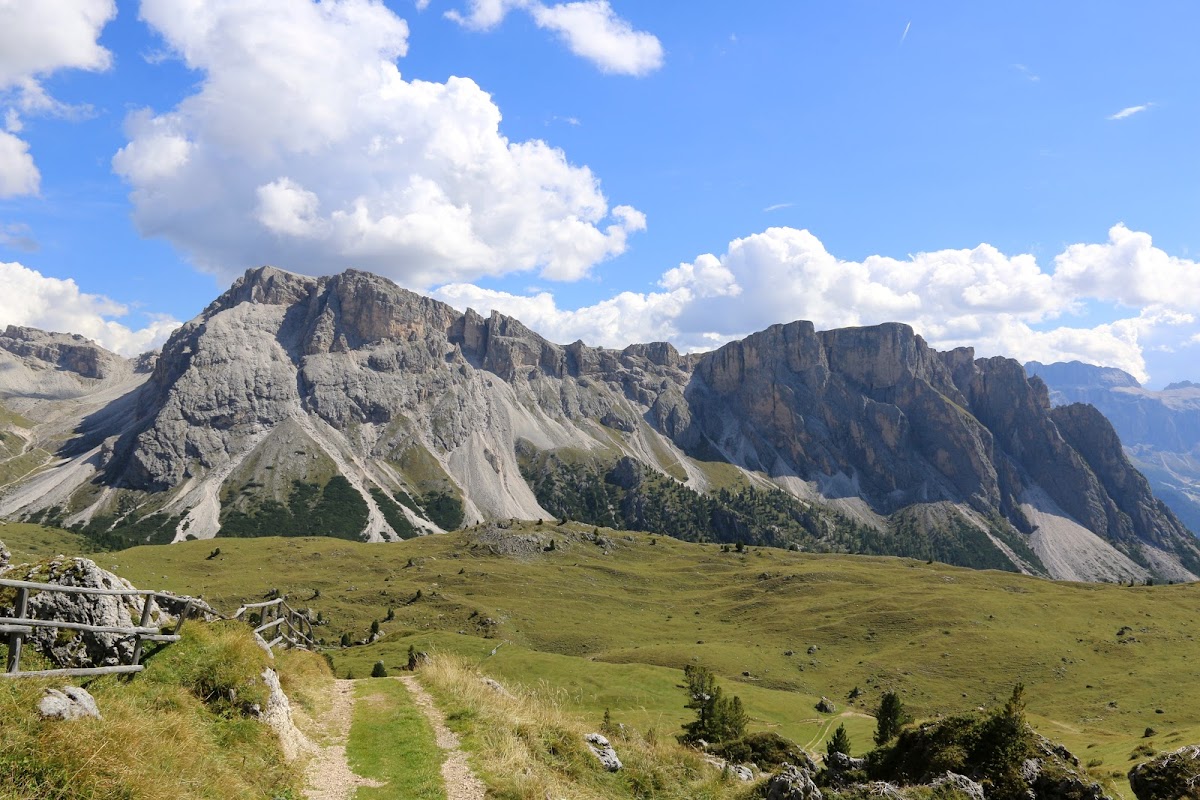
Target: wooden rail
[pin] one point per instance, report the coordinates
(21, 625)
(287, 625)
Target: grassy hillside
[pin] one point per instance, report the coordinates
(172, 733)
(607, 621)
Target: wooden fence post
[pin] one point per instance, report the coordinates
(16, 639)
(145, 623)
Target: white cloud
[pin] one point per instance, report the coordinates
(1128, 269)
(591, 29)
(37, 39)
(483, 15)
(777, 207)
(18, 174)
(1130, 111)
(304, 146)
(30, 299)
(982, 298)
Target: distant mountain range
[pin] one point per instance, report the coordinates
(1160, 429)
(350, 407)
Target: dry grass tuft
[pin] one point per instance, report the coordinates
(177, 731)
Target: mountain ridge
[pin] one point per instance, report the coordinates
(388, 414)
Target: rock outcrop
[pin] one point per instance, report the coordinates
(5, 557)
(348, 406)
(68, 648)
(792, 783)
(1170, 776)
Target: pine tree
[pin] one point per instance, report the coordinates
(379, 670)
(840, 743)
(345, 640)
(888, 718)
(718, 718)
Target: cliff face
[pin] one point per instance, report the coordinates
(295, 402)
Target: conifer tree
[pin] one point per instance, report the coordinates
(839, 743)
(888, 718)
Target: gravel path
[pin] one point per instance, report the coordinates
(461, 783)
(329, 776)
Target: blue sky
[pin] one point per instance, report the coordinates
(1020, 177)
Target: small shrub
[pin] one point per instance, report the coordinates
(379, 670)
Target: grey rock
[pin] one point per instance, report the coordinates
(5, 557)
(792, 783)
(68, 703)
(1174, 774)
(741, 772)
(840, 762)
(603, 751)
(826, 706)
(278, 715)
(960, 783)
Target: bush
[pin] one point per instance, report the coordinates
(379, 670)
(768, 750)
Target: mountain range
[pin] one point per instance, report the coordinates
(1159, 429)
(347, 406)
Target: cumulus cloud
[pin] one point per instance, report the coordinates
(304, 146)
(37, 39)
(980, 297)
(18, 174)
(591, 29)
(30, 299)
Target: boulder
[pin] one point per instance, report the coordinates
(960, 783)
(840, 762)
(67, 648)
(792, 783)
(68, 703)
(5, 557)
(741, 772)
(826, 706)
(603, 751)
(1171, 775)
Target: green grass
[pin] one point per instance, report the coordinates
(642, 696)
(391, 742)
(946, 639)
(35, 542)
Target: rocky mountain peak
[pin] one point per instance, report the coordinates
(67, 351)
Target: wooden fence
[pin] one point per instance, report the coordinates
(284, 624)
(20, 625)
